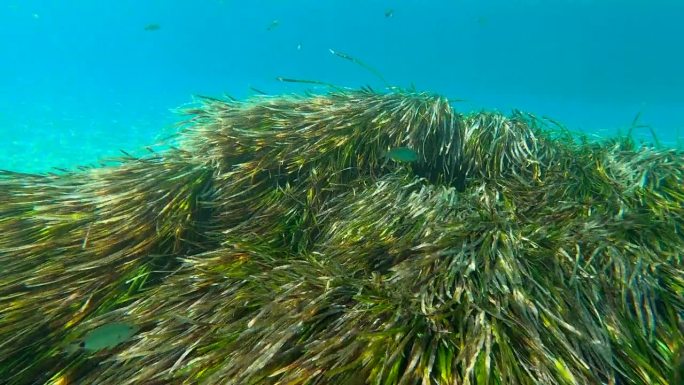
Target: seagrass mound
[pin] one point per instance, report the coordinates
(282, 243)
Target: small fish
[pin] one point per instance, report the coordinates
(402, 154)
(107, 336)
(359, 63)
(304, 81)
(274, 24)
(152, 27)
(258, 91)
(389, 13)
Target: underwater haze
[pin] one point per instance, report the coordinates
(83, 79)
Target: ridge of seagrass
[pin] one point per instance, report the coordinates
(279, 243)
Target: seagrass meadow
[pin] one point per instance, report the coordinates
(278, 243)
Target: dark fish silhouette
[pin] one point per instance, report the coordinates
(152, 27)
(274, 24)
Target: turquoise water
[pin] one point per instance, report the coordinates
(81, 80)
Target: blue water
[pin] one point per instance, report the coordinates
(80, 80)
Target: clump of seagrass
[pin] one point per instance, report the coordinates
(279, 245)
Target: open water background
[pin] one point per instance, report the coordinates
(80, 80)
